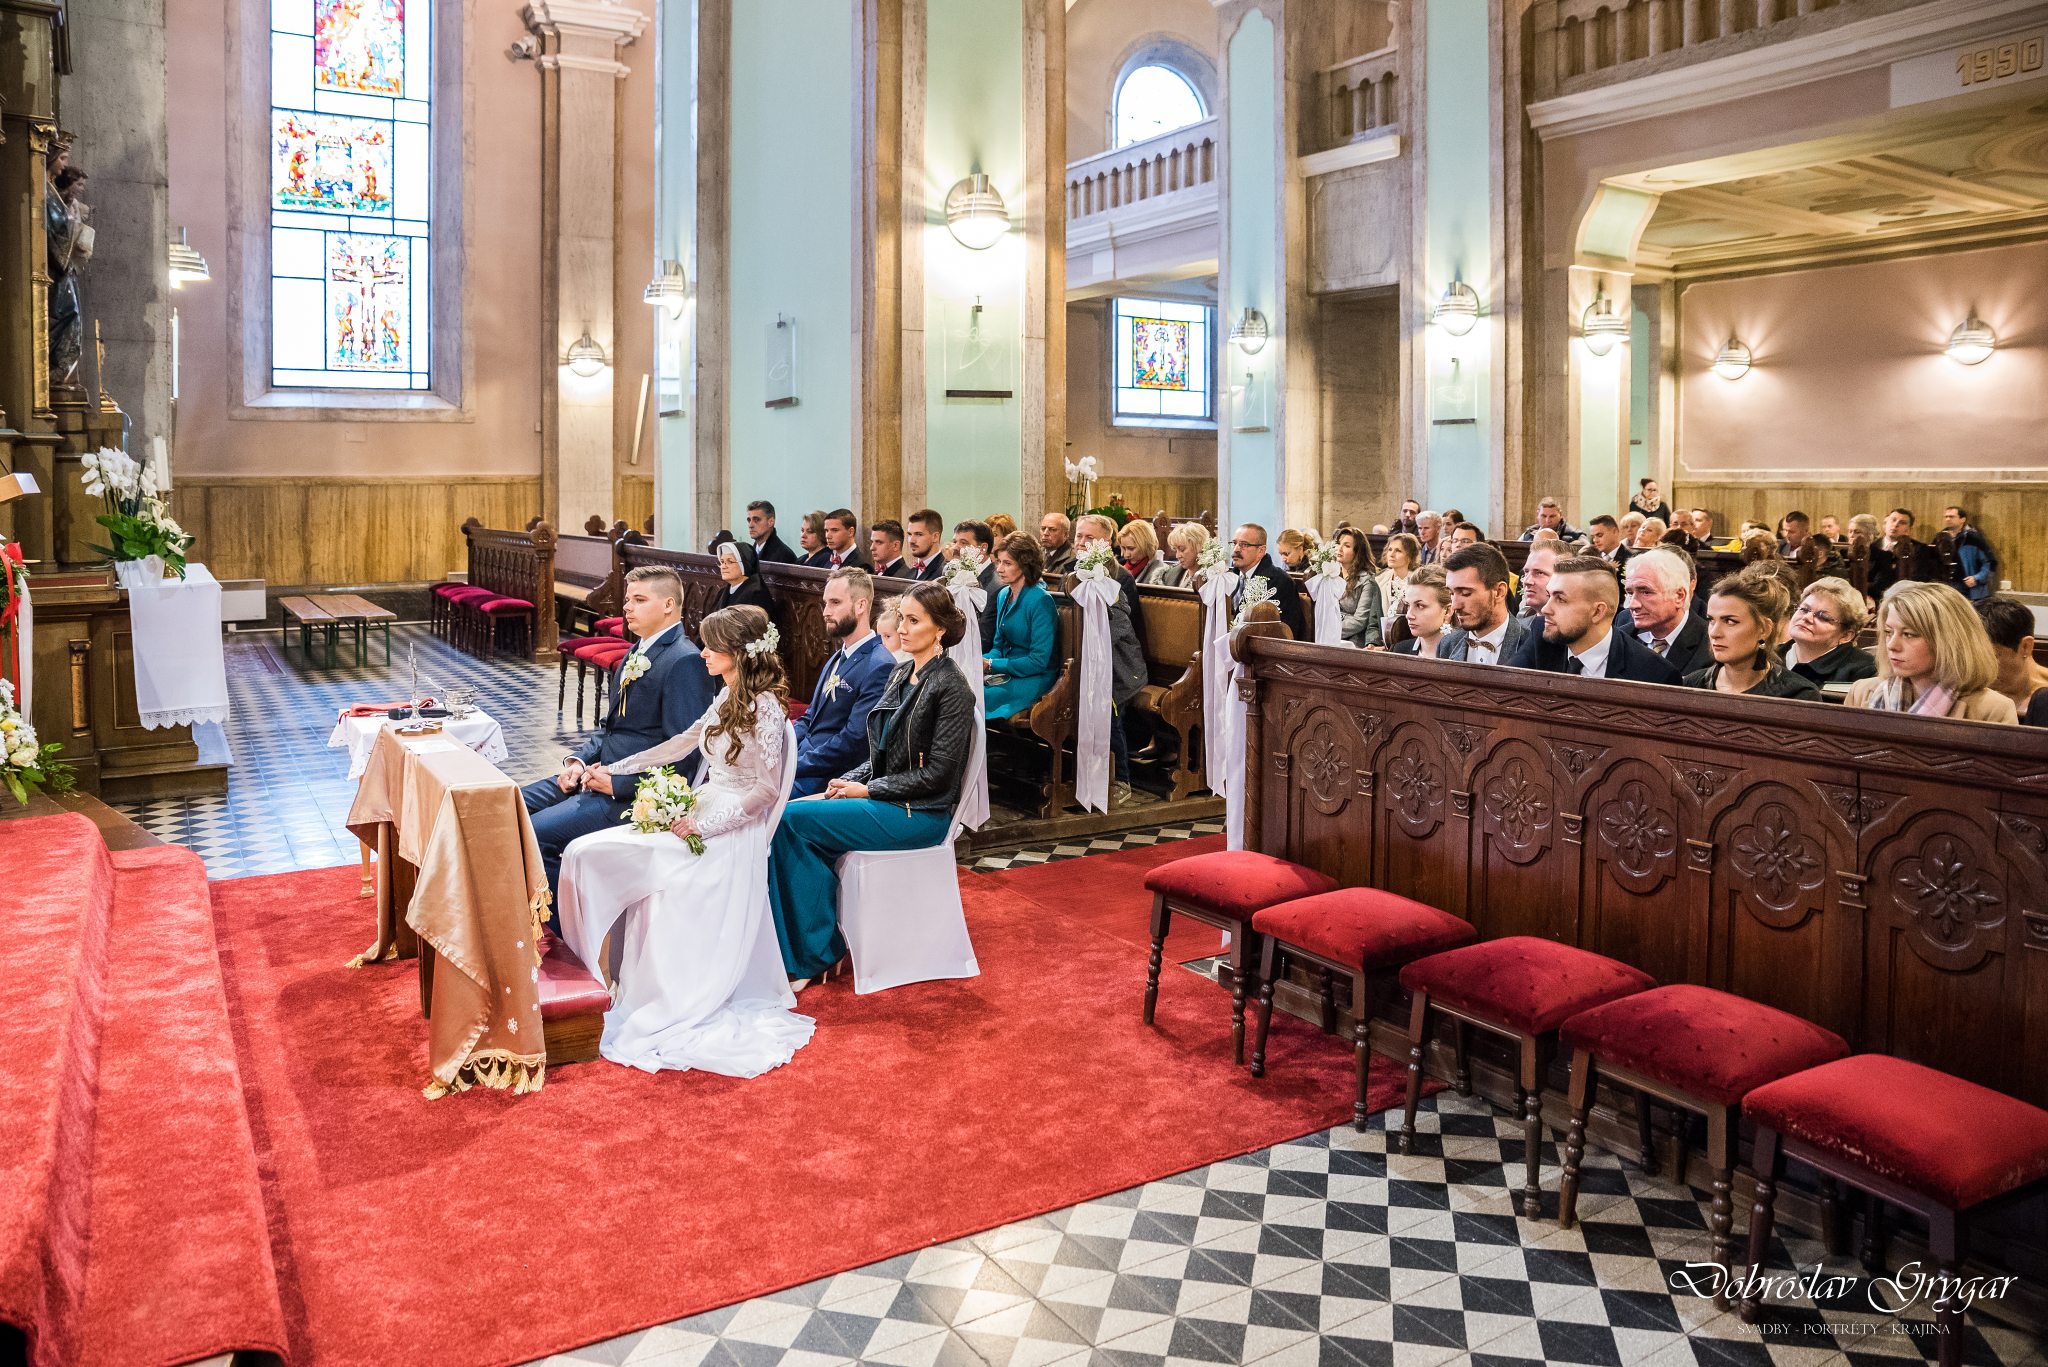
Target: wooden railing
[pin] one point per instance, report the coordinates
(1168, 164)
(1575, 39)
(1363, 97)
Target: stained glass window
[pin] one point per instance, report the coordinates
(350, 194)
(1162, 361)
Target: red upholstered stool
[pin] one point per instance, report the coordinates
(614, 627)
(1694, 1048)
(1920, 1139)
(573, 1001)
(1522, 987)
(602, 655)
(501, 612)
(1357, 932)
(1224, 889)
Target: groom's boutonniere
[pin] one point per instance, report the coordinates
(633, 668)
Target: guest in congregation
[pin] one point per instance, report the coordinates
(887, 619)
(1745, 614)
(1934, 658)
(1831, 530)
(1290, 550)
(1137, 545)
(1898, 558)
(2010, 625)
(1452, 517)
(697, 985)
(1649, 534)
(1603, 538)
(810, 541)
(831, 735)
(1679, 534)
(1465, 534)
(1760, 554)
(1020, 661)
(1248, 557)
(741, 571)
(983, 539)
(924, 541)
(1187, 541)
(1549, 513)
(1000, 525)
(769, 547)
(1577, 634)
(1485, 628)
(1405, 523)
(1808, 556)
(901, 797)
(658, 689)
(1820, 641)
(1400, 557)
(1976, 572)
(1429, 529)
(1056, 539)
(1658, 586)
(842, 543)
(1537, 567)
(1648, 503)
(1631, 522)
(1361, 605)
(1128, 674)
(885, 549)
(1425, 612)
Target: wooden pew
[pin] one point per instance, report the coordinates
(589, 576)
(1053, 718)
(1173, 697)
(518, 565)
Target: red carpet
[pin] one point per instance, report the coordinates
(488, 1229)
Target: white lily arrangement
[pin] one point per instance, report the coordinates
(26, 764)
(1322, 559)
(663, 798)
(963, 571)
(1215, 555)
(1257, 589)
(1096, 562)
(136, 511)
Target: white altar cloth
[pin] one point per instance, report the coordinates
(181, 673)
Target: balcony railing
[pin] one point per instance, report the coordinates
(1577, 39)
(1168, 164)
(1363, 97)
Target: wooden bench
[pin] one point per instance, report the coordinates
(590, 578)
(333, 613)
(516, 569)
(1173, 656)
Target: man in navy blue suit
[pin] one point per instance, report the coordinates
(832, 735)
(651, 701)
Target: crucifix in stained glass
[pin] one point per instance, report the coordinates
(367, 302)
(359, 46)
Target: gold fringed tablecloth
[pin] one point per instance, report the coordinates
(478, 901)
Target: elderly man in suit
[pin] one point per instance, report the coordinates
(1658, 585)
(1486, 631)
(769, 547)
(1578, 634)
(1248, 557)
(832, 734)
(657, 691)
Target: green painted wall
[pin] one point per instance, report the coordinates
(1251, 484)
(792, 190)
(1639, 379)
(675, 221)
(1458, 242)
(973, 121)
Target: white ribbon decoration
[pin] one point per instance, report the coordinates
(970, 600)
(1091, 737)
(1327, 590)
(25, 635)
(1223, 714)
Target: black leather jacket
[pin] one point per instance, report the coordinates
(918, 759)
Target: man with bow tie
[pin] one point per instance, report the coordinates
(832, 734)
(924, 541)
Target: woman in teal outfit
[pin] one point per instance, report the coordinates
(1020, 663)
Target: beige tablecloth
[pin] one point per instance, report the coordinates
(478, 902)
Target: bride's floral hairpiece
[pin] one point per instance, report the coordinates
(766, 642)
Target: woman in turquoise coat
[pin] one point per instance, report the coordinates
(1021, 655)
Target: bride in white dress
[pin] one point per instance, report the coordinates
(699, 975)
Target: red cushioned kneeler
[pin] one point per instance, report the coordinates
(1224, 889)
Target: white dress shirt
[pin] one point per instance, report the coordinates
(1485, 650)
(1593, 659)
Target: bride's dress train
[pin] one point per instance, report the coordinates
(697, 968)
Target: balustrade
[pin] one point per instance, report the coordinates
(1363, 96)
(1182, 159)
(1580, 38)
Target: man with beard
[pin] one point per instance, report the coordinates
(1578, 635)
(1486, 631)
(832, 735)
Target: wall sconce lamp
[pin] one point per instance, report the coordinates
(1732, 361)
(1250, 332)
(669, 290)
(1972, 340)
(585, 357)
(976, 214)
(186, 264)
(1458, 310)
(1602, 327)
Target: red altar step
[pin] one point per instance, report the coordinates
(132, 1225)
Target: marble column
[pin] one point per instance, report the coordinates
(580, 42)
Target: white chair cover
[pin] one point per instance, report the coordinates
(974, 797)
(1223, 712)
(900, 910)
(1327, 592)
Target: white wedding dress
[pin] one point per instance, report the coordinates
(698, 975)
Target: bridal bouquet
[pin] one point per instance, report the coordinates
(27, 764)
(136, 512)
(963, 571)
(664, 798)
(1096, 562)
(1257, 589)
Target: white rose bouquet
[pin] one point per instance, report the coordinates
(663, 798)
(26, 764)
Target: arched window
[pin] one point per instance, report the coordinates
(1155, 99)
(350, 202)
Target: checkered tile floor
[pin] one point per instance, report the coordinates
(1327, 1250)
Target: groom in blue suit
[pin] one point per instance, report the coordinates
(657, 691)
(832, 734)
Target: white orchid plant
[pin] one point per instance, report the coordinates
(1081, 477)
(137, 513)
(26, 763)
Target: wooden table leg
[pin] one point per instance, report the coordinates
(369, 872)
(426, 979)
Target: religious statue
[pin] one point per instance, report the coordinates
(64, 223)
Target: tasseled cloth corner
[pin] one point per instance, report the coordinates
(496, 1069)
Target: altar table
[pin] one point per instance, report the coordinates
(478, 731)
(458, 868)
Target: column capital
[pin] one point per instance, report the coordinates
(584, 19)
